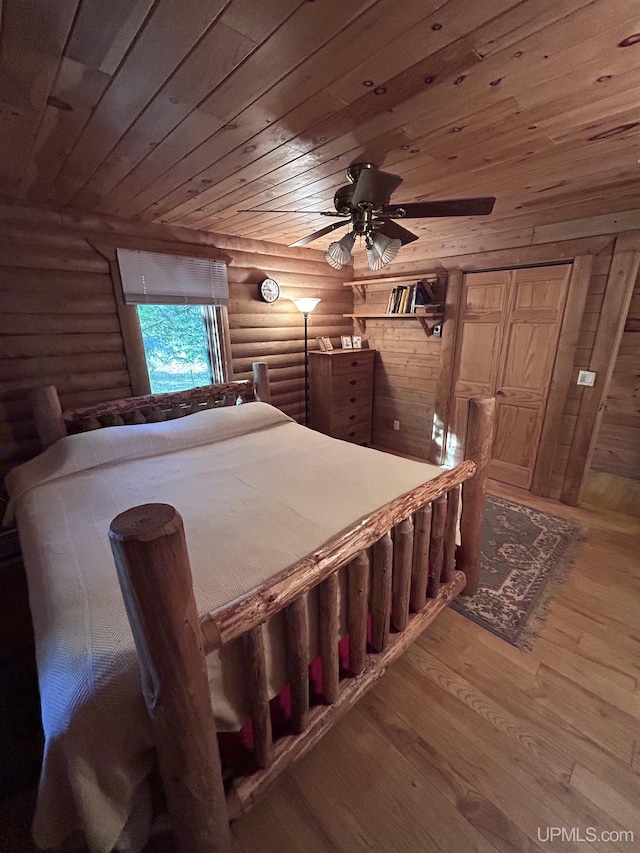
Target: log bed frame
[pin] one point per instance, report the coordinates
(402, 568)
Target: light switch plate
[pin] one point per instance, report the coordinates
(586, 377)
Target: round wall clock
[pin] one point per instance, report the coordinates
(269, 290)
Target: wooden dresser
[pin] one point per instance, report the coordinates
(341, 393)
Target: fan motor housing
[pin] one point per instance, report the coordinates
(342, 199)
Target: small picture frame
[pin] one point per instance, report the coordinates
(328, 346)
(346, 341)
(356, 341)
(321, 343)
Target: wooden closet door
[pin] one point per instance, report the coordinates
(482, 313)
(531, 328)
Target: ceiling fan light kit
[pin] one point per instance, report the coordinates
(365, 200)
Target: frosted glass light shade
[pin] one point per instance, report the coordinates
(306, 304)
(335, 264)
(386, 247)
(338, 254)
(375, 261)
(381, 250)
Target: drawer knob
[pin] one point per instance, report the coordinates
(352, 399)
(352, 381)
(352, 417)
(351, 434)
(355, 363)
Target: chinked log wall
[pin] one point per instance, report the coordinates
(615, 457)
(60, 323)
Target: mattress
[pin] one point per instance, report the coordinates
(257, 492)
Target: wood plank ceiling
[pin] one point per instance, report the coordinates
(176, 112)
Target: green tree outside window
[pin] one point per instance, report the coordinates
(175, 344)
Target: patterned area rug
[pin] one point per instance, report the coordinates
(526, 555)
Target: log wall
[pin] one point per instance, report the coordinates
(60, 323)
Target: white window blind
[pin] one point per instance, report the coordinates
(151, 277)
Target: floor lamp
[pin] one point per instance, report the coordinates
(306, 306)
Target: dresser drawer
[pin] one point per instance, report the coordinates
(352, 364)
(358, 433)
(347, 399)
(350, 416)
(345, 385)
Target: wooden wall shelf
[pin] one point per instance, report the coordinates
(427, 321)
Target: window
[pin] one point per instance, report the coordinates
(181, 304)
(182, 346)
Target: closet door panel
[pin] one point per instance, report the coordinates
(484, 298)
(517, 430)
(532, 325)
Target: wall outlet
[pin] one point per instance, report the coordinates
(396, 424)
(437, 331)
(586, 377)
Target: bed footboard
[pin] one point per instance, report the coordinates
(402, 568)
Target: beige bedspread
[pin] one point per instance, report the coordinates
(257, 492)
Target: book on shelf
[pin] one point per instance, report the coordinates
(414, 296)
(391, 300)
(412, 299)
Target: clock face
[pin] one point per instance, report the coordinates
(269, 290)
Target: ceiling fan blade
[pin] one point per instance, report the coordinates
(309, 212)
(374, 187)
(450, 207)
(320, 233)
(394, 231)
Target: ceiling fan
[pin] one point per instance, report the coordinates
(365, 201)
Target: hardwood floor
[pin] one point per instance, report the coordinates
(468, 744)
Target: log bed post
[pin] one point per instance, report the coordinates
(261, 380)
(478, 445)
(47, 414)
(150, 553)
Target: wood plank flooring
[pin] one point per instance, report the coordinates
(468, 744)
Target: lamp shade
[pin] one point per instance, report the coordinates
(306, 304)
(332, 263)
(375, 261)
(381, 250)
(338, 254)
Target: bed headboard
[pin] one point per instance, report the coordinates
(52, 423)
